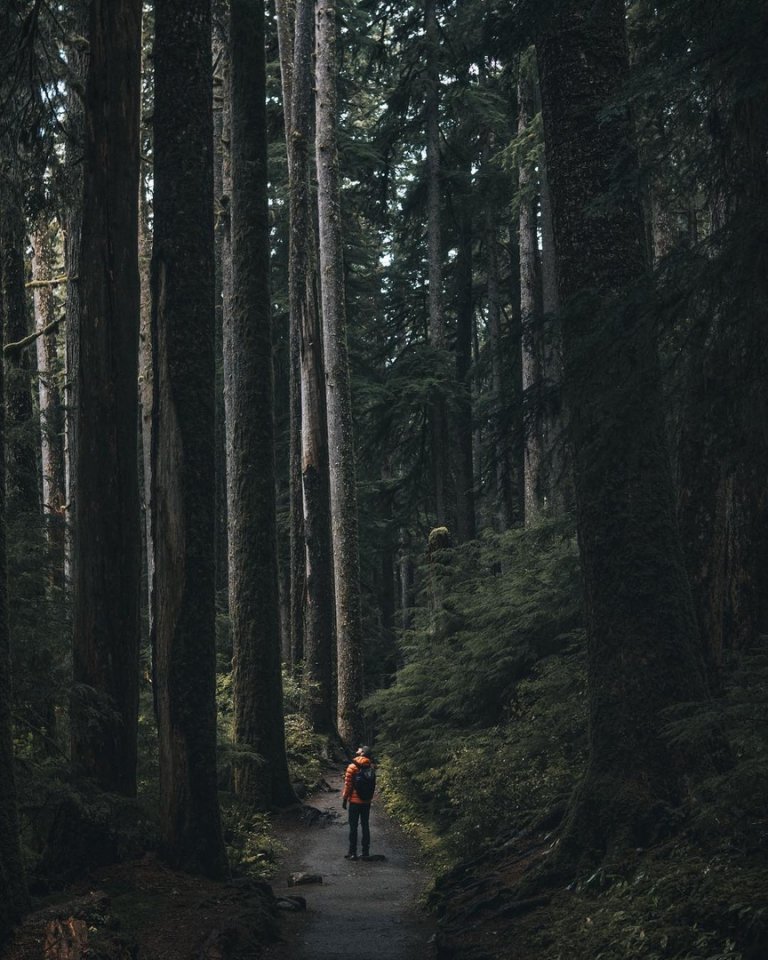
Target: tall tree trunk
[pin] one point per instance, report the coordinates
(222, 193)
(77, 59)
(13, 894)
(464, 467)
(51, 408)
(106, 547)
(501, 452)
(529, 300)
(146, 388)
(559, 473)
(344, 523)
(303, 295)
(437, 333)
(183, 494)
(642, 643)
(724, 447)
(253, 582)
(292, 56)
(20, 439)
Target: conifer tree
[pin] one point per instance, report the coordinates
(106, 550)
(344, 520)
(261, 778)
(183, 493)
(643, 655)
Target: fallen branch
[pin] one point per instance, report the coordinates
(20, 344)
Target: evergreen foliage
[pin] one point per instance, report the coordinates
(485, 721)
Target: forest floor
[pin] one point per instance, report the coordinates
(142, 910)
(366, 909)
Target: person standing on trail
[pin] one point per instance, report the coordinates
(359, 787)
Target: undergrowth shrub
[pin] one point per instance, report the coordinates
(484, 725)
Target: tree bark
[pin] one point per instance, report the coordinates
(222, 192)
(146, 389)
(77, 58)
(437, 333)
(642, 650)
(499, 388)
(106, 545)
(529, 301)
(183, 493)
(466, 528)
(291, 58)
(318, 559)
(724, 449)
(253, 582)
(13, 894)
(20, 441)
(51, 408)
(344, 523)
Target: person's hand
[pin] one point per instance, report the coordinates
(344, 804)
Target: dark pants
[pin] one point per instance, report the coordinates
(359, 812)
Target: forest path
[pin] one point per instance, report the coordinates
(366, 910)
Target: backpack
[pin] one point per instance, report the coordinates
(364, 782)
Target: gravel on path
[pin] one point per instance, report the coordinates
(362, 910)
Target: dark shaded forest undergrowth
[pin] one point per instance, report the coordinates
(481, 779)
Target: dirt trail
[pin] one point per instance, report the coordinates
(366, 910)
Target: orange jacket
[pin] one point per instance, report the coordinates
(349, 789)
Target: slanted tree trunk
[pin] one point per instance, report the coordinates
(183, 492)
(13, 894)
(253, 583)
(106, 545)
(51, 408)
(344, 524)
(642, 642)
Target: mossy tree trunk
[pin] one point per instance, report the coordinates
(642, 649)
(106, 544)
(183, 441)
(344, 521)
(253, 581)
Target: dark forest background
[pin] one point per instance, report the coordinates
(392, 373)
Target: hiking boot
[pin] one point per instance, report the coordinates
(350, 856)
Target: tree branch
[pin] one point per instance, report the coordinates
(54, 281)
(20, 344)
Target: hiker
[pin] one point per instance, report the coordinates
(359, 787)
